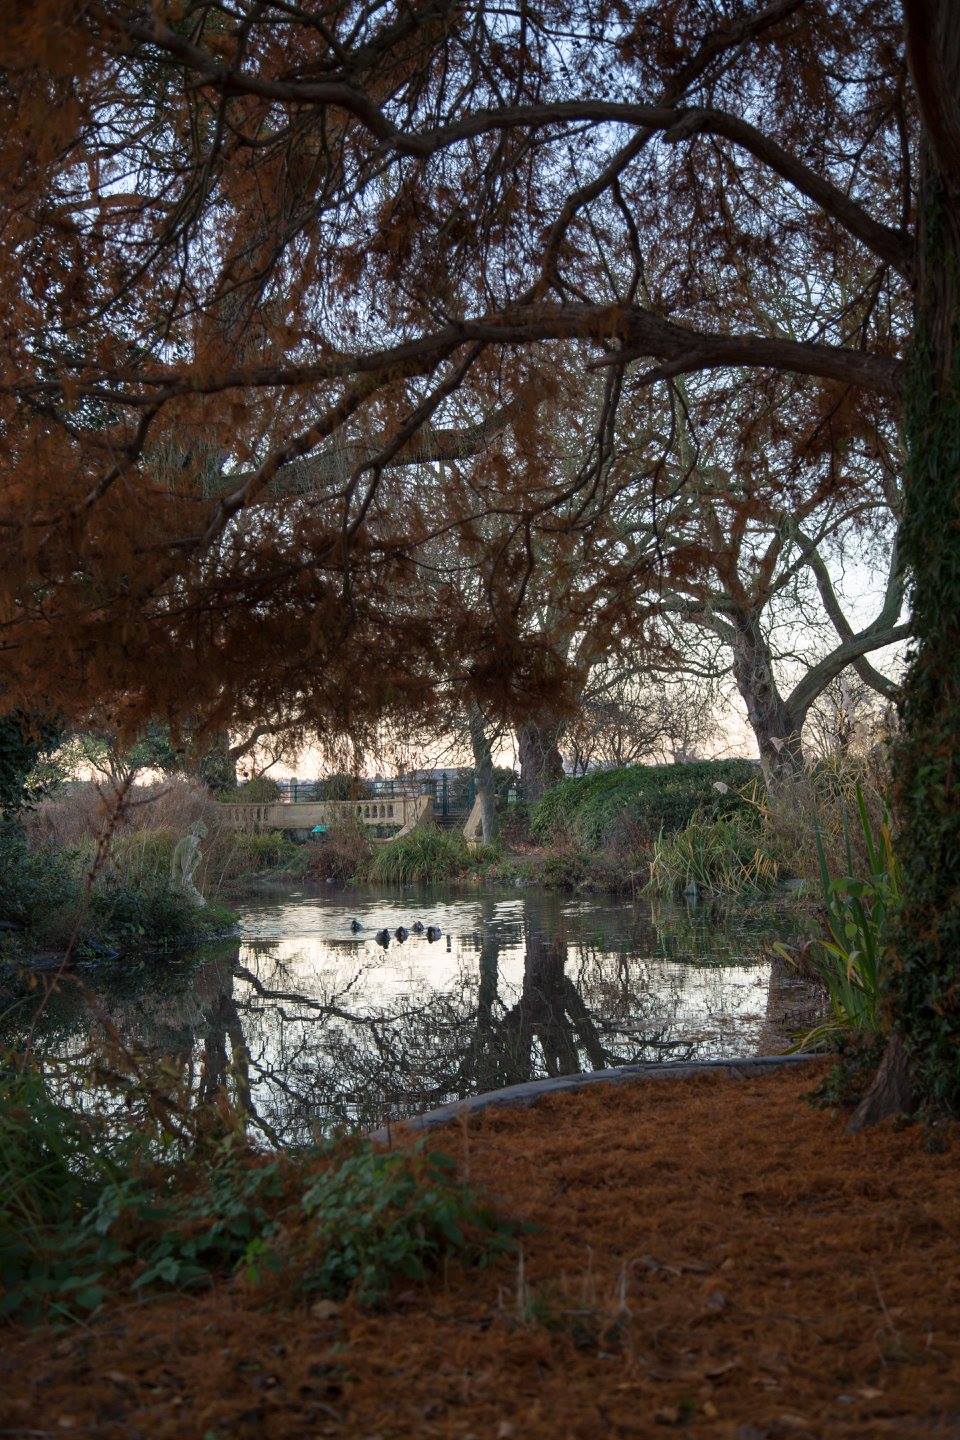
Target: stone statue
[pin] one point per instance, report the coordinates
(186, 857)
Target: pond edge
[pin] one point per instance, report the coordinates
(530, 1091)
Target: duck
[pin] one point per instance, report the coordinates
(355, 926)
(417, 927)
(434, 932)
(401, 933)
(382, 937)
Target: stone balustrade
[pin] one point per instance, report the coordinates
(400, 811)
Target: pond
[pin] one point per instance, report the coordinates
(313, 1025)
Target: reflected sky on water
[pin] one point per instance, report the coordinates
(309, 1026)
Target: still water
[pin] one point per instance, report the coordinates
(311, 1024)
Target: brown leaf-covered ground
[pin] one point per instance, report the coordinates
(711, 1258)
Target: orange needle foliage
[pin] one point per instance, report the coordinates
(710, 1258)
(287, 294)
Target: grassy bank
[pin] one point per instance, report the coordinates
(707, 828)
(700, 1311)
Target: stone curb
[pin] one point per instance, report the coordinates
(531, 1091)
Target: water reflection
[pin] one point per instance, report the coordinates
(308, 1024)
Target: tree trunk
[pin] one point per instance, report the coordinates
(541, 764)
(483, 770)
(776, 730)
(925, 952)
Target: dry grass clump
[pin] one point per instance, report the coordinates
(342, 854)
(145, 829)
(824, 799)
(79, 812)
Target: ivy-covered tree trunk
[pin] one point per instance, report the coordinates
(541, 764)
(924, 1055)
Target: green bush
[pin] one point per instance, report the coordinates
(589, 811)
(101, 1202)
(425, 854)
(382, 1216)
(54, 1162)
(151, 914)
(860, 909)
(727, 855)
(238, 854)
(31, 881)
(259, 791)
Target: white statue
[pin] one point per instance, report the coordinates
(186, 857)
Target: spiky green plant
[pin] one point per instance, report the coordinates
(426, 854)
(726, 856)
(859, 911)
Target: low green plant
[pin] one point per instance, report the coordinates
(152, 914)
(382, 1216)
(235, 855)
(859, 909)
(425, 854)
(31, 880)
(589, 811)
(120, 1198)
(55, 1159)
(726, 855)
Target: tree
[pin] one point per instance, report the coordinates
(24, 741)
(241, 238)
(754, 546)
(628, 719)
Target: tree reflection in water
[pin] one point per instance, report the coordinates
(301, 1053)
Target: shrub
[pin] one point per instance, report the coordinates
(818, 803)
(727, 856)
(343, 854)
(859, 909)
(94, 1201)
(378, 1217)
(259, 791)
(588, 811)
(150, 913)
(425, 854)
(515, 825)
(342, 787)
(234, 855)
(31, 881)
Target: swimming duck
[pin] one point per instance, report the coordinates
(401, 933)
(434, 932)
(382, 937)
(355, 926)
(417, 927)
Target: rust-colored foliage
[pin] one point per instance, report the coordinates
(299, 305)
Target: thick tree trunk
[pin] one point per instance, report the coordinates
(541, 764)
(483, 771)
(776, 730)
(925, 953)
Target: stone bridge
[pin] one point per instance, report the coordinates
(400, 813)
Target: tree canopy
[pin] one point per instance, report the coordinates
(262, 263)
